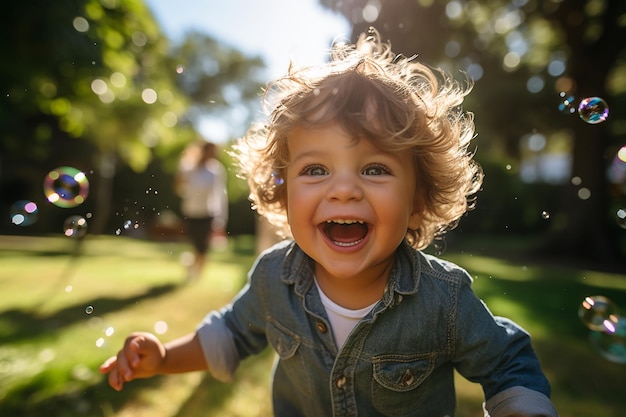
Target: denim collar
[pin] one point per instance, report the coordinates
(403, 279)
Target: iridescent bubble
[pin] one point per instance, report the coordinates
(75, 226)
(595, 310)
(567, 103)
(593, 110)
(611, 342)
(23, 213)
(66, 187)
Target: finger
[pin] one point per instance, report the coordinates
(136, 348)
(115, 380)
(108, 365)
(123, 367)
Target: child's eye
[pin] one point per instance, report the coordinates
(376, 170)
(314, 170)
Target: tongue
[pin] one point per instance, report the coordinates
(345, 233)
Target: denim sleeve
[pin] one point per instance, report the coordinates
(237, 330)
(218, 347)
(494, 351)
(519, 402)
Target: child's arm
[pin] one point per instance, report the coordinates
(143, 356)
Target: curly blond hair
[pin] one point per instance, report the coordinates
(414, 108)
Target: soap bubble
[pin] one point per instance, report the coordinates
(593, 110)
(595, 310)
(611, 342)
(75, 226)
(66, 187)
(89, 309)
(23, 213)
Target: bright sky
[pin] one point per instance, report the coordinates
(277, 30)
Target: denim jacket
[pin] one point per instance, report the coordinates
(398, 360)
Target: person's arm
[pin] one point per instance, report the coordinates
(220, 192)
(498, 354)
(143, 356)
(183, 355)
(519, 401)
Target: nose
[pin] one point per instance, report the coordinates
(345, 186)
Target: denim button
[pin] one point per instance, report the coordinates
(408, 378)
(321, 327)
(341, 381)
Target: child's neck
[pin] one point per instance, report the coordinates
(354, 293)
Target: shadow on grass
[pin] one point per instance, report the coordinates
(98, 399)
(581, 378)
(18, 324)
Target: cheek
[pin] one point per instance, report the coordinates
(295, 204)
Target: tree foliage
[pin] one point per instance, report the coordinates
(96, 85)
(522, 55)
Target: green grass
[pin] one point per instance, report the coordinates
(51, 343)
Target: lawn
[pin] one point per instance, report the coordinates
(64, 309)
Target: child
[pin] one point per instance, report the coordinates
(363, 163)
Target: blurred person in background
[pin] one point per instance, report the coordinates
(201, 184)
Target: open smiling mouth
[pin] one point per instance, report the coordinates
(345, 233)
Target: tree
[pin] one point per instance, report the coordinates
(87, 76)
(522, 54)
(95, 85)
(222, 84)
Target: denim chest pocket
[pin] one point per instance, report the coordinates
(284, 341)
(396, 388)
(290, 373)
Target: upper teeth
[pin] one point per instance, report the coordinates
(344, 221)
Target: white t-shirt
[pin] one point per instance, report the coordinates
(203, 191)
(342, 320)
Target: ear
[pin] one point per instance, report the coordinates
(415, 219)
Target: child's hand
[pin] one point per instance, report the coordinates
(141, 357)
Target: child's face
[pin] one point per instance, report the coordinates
(349, 204)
